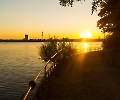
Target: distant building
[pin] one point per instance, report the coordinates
(26, 37)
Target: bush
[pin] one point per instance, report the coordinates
(47, 50)
(111, 57)
(112, 42)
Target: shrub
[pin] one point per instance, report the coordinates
(47, 50)
(112, 42)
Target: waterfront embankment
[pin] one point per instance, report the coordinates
(84, 77)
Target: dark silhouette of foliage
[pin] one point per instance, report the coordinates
(109, 16)
(112, 42)
(68, 49)
(68, 2)
(109, 22)
(47, 50)
(109, 13)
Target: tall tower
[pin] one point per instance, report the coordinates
(42, 34)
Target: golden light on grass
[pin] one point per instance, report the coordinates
(86, 34)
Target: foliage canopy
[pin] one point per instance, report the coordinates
(48, 49)
(109, 22)
(68, 2)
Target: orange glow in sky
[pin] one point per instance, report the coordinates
(20, 17)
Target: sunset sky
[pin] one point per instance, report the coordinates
(20, 17)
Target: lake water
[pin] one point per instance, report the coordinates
(20, 63)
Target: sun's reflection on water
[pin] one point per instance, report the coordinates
(87, 47)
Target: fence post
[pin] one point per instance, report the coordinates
(45, 74)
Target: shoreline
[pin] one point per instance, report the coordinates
(54, 40)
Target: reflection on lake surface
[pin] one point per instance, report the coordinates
(89, 46)
(85, 47)
(19, 63)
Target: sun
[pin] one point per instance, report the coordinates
(86, 34)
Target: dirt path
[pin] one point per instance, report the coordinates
(84, 77)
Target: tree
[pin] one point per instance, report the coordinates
(68, 2)
(109, 21)
(47, 50)
(109, 13)
(109, 16)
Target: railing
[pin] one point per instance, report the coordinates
(40, 89)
